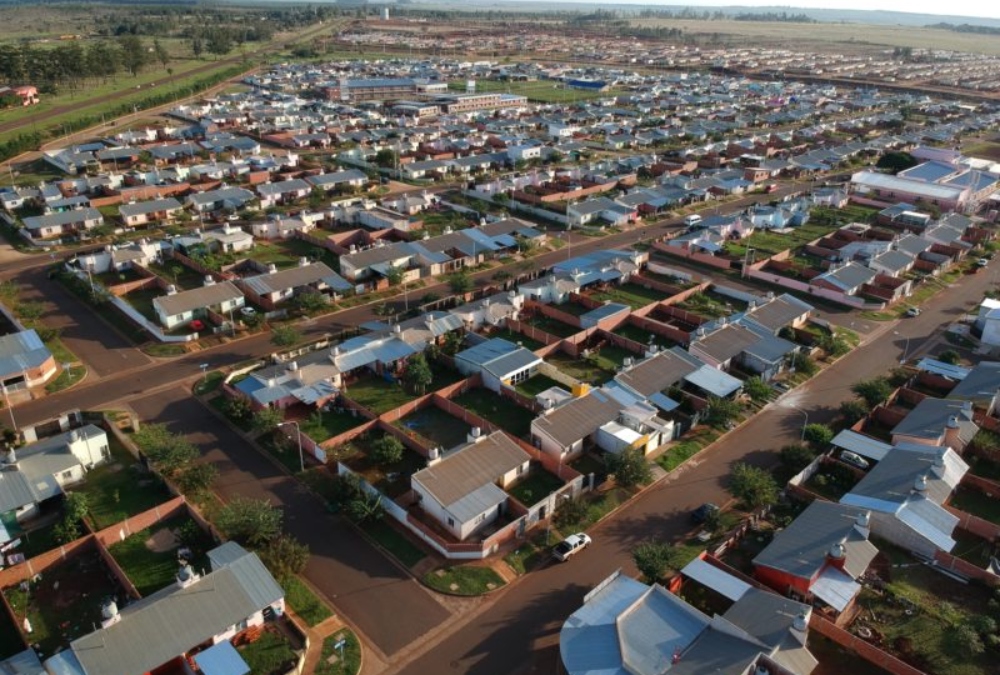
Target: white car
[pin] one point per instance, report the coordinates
(854, 459)
(571, 545)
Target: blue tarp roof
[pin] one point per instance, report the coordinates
(221, 659)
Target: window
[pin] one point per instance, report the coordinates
(451, 522)
(67, 475)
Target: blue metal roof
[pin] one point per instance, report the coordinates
(221, 659)
(487, 351)
(714, 381)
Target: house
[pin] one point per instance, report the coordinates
(119, 257)
(37, 472)
(937, 422)
(275, 287)
(562, 431)
(276, 227)
(53, 225)
(226, 198)
(750, 347)
(25, 362)
(626, 626)
(499, 362)
(650, 378)
(328, 182)
(493, 310)
(905, 493)
(988, 322)
(174, 309)
(848, 279)
(980, 386)
(282, 192)
(600, 208)
(820, 556)
(226, 239)
(154, 210)
(158, 632)
(784, 311)
(893, 263)
(463, 490)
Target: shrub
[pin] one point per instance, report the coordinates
(387, 450)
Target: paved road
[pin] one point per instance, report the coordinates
(519, 633)
(384, 602)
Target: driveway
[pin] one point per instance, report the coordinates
(388, 606)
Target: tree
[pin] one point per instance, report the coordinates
(134, 54)
(285, 556)
(753, 486)
(249, 522)
(196, 478)
(652, 559)
(874, 391)
(818, 434)
(238, 408)
(161, 53)
(366, 507)
(721, 411)
(796, 457)
(168, 452)
(77, 506)
(285, 336)
(387, 450)
(460, 282)
(629, 467)
(757, 389)
(197, 47)
(418, 373)
(804, 364)
(853, 410)
(894, 162)
(218, 42)
(950, 356)
(394, 275)
(386, 158)
(310, 302)
(267, 419)
(834, 345)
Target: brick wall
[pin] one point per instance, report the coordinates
(865, 650)
(42, 562)
(534, 333)
(966, 569)
(703, 258)
(552, 312)
(624, 343)
(978, 526)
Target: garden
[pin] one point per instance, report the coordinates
(502, 412)
(631, 294)
(435, 425)
(593, 371)
(150, 557)
(536, 486)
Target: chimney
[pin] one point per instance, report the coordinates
(209, 281)
(920, 484)
(293, 366)
(272, 268)
(938, 468)
(303, 261)
(109, 613)
(475, 435)
(171, 290)
(800, 628)
(434, 456)
(186, 576)
(837, 556)
(953, 422)
(397, 329)
(863, 523)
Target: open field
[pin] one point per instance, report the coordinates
(844, 36)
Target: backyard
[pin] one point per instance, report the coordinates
(393, 479)
(321, 426)
(149, 557)
(766, 243)
(630, 294)
(120, 489)
(711, 305)
(270, 654)
(517, 338)
(642, 336)
(435, 425)
(65, 602)
(377, 394)
(502, 412)
(593, 371)
(536, 486)
(977, 503)
(535, 385)
(552, 326)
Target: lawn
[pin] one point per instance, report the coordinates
(581, 369)
(591, 507)
(149, 557)
(401, 548)
(345, 660)
(610, 357)
(630, 294)
(512, 336)
(300, 597)
(120, 488)
(436, 426)
(67, 378)
(985, 468)
(463, 580)
(65, 602)
(707, 305)
(378, 395)
(529, 555)
(536, 385)
(835, 660)
(271, 654)
(321, 426)
(766, 243)
(642, 336)
(40, 539)
(536, 486)
(977, 503)
(553, 327)
(392, 480)
(10, 638)
(679, 453)
(181, 276)
(507, 415)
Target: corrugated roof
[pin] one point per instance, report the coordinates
(865, 446)
(930, 417)
(655, 627)
(197, 298)
(174, 620)
(717, 579)
(949, 370)
(714, 381)
(297, 277)
(657, 373)
(577, 419)
(779, 312)
(21, 351)
(727, 342)
(15, 491)
(980, 384)
(221, 659)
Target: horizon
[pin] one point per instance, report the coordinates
(964, 9)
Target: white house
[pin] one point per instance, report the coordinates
(464, 490)
(501, 363)
(177, 309)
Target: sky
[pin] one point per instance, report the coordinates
(971, 8)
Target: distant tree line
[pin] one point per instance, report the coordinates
(774, 17)
(967, 28)
(73, 65)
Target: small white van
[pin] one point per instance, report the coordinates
(692, 220)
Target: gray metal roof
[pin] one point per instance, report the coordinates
(297, 277)
(24, 663)
(654, 627)
(980, 384)
(930, 417)
(714, 381)
(62, 218)
(485, 352)
(175, 620)
(866, 446)
(21, 351)
(727, 342)
(890, 483)
(514, 362)
(151, 206)
(15, 491)
(779, 312)
(577, 419)
(951, 371)
(658, 372)
(197, 298)
(801, 548)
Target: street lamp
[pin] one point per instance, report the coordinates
(298, 433)
(906, 347)
(805, 421)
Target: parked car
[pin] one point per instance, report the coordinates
(913, 311)
(702, 513)
(982, 262)
(854, 459)
(571, 545)
(773, 187)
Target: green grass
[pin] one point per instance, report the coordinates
(285, 451)
(978, 504)
(585, 370)
(436, 426)
(597, 505)
(512, 336)
(553, 327)
(271, 654)
(537, 384)
(10, 638)
(348, 659)
(630, 294)
(539, 91)
(708, 306)
(165, 349)
(66, 379)
(768, 243)
(378, 395)
(463, 580)
(118, 490)
(507, 415)
(835, 660)
(300, 597)
(322, 426)
(151, 570)
(641, 335)
(39, 540)
(209, 383)
(687, 448)
(401, 548)
(538, 485)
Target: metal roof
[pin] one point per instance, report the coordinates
(948, 370)
(21, 351)
(197, 298)
(658, 372)
(980, 384)
(221, 659)
(865, 446)
(930, 418)
(716, 579)
(15, 491)
(577, 419)
(62, 218)
(891, 482)
(779, 312)
(588, 640)
(881, 181)
(514, 362)
(655, 627)
(173, 621)
(297, 277)
(151, 206)
(713, 381)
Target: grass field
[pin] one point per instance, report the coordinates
(464, 580)
(847, 36)
(512, 418)
(539, 91)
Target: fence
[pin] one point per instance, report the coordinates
(865, 650)
(657, 268)
(965, 569)
(757, 272)
(688, 254)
